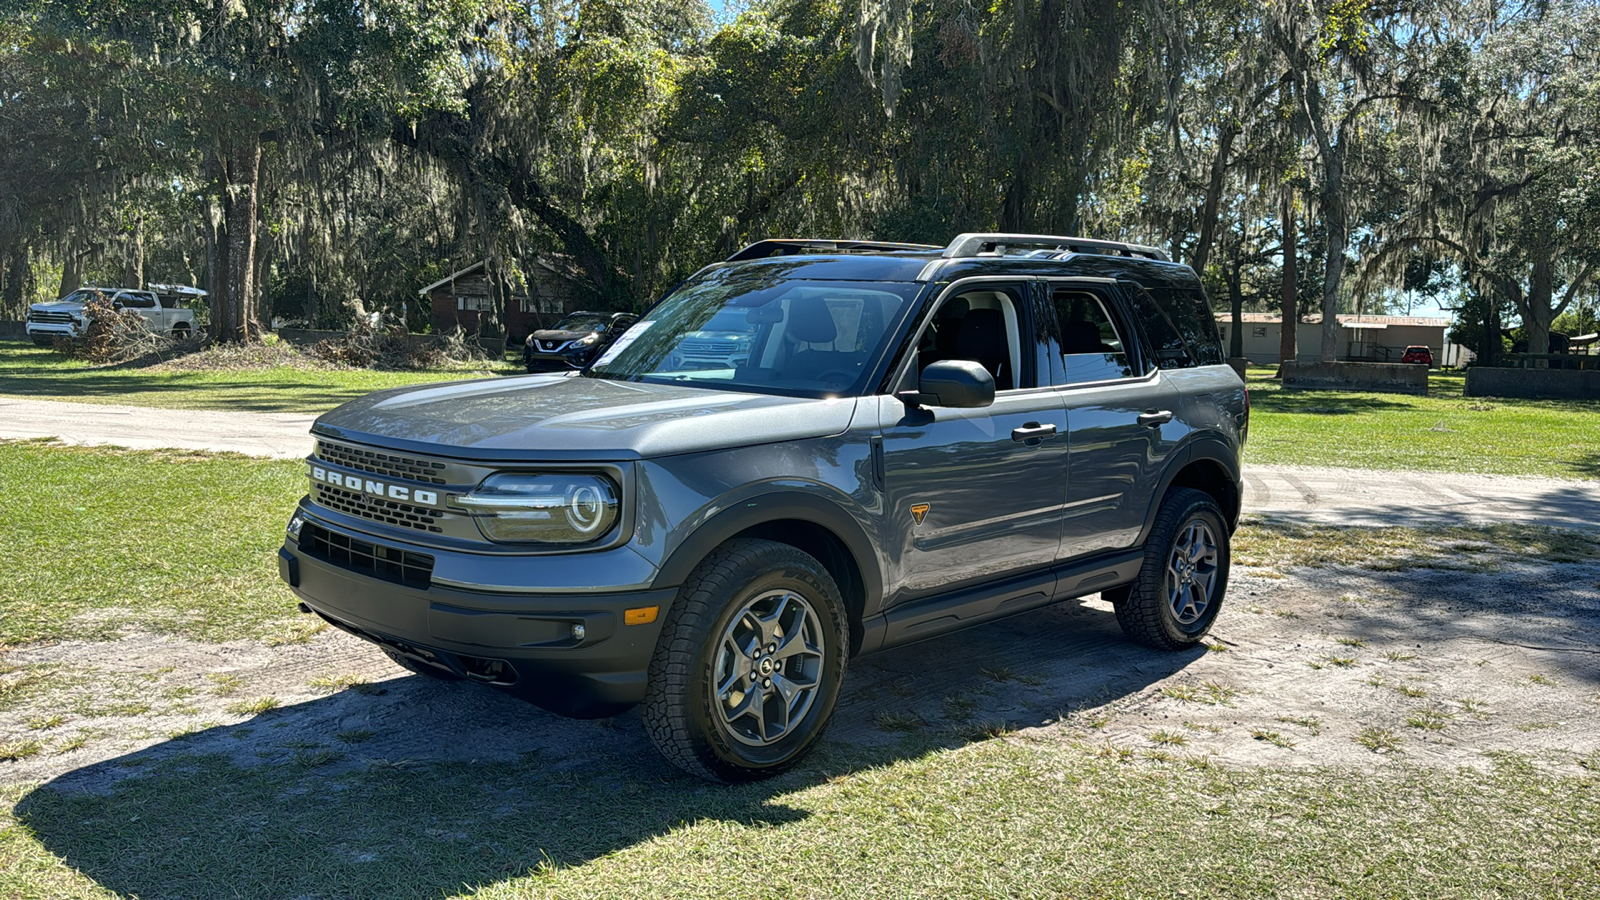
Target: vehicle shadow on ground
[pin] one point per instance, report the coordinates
(417, 788)
(1576, 507)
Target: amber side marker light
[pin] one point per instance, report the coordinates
(644, 615)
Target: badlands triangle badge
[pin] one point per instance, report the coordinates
(918, 511)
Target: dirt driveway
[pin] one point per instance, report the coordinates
(1435, 666)
(1482, 652)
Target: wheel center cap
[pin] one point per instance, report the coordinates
(765, 666)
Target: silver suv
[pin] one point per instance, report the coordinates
(913, 440)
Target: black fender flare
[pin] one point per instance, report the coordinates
(1207, 449)
(773, 506)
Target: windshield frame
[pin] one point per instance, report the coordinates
(869, 383)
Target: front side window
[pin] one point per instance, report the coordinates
(771, 335)
(981, 325)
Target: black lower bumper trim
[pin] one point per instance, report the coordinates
(568, 653)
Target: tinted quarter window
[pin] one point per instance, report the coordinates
(1171, 351)
(1088, 346)
(1192, 315)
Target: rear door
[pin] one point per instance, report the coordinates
(972, 495)
(1121, 410)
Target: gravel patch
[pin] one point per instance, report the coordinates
(1317, 667)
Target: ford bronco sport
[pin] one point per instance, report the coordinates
(917, 439)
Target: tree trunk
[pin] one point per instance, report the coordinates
(71, 273)
(1236, 307)
(133, 268)
(1537, 314)
(1288, 350)
(18, 281)
(1208, 212)
(1333, 215)
(242, 170)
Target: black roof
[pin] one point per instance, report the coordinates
(932, 266)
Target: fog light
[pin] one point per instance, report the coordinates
(578, 631)
(295, 524)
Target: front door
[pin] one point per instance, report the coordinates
(972, 495)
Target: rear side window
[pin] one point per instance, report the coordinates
(1085, 344)
(131, 300)
(1180, 325)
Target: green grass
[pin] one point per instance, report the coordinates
(997, 818)
(1442, 432)
(98, 540)
(37, 373)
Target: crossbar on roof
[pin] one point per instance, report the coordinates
(794, 246)
(976, 244)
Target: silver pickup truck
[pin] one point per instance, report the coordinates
(163, 307)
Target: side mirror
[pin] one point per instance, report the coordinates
(116, 304)
(955, 383)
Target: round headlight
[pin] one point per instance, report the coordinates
(554, 508)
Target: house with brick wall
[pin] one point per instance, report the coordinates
(551, 287)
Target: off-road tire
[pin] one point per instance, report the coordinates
(180, 331)
(420, 668)
(1144, 608)
(679, 710)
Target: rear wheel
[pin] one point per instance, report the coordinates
(748, 667)
(180, 331)
(1178, 593)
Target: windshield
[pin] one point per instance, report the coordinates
(797, 337)
(582, 323)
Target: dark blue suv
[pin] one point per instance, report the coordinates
(909, 440)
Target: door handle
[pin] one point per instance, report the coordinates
(1032, 431)
(1152, 417)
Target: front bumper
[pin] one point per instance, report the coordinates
(552, 362)
(48, 330)
(522, 643)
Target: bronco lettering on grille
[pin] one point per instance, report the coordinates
(375, 488)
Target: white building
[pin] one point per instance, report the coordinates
(1361, 338)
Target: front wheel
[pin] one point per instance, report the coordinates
(748, 667)
(1179, 590)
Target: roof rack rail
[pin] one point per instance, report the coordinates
(795, 246)
(974, 244)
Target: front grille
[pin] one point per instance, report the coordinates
(716, 349)
(388, 563)
(54, 318)
(389, 512)
(406, 467)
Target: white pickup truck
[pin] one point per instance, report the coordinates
(163, 308)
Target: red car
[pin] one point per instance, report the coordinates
(1416, 353)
